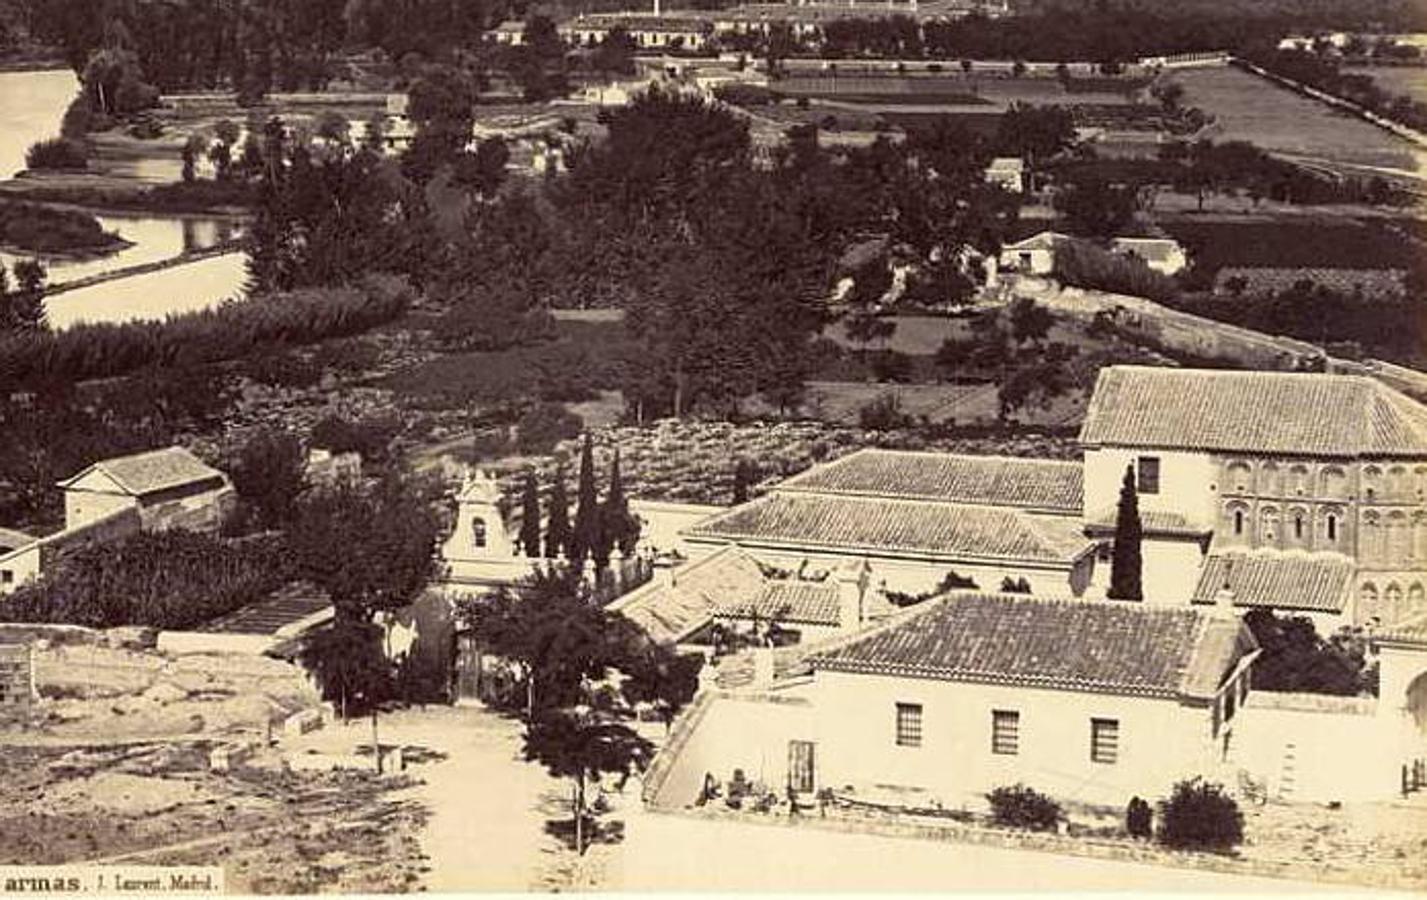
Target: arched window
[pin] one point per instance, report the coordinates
(1298, 526)
(1392, 609)
(1239, 477)
(1333, 527)
(1367, 601)
(1335, 483)
(1238, 522)
(1298, 477)
(1416, 600)
(1372, 482)
(478, 533)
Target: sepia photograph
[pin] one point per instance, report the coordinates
(741, 446)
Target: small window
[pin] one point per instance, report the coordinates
(1148, 470)
(1298, 528)
(909, 724)
(7, 577)
(1332, 528)
(1104, 740)
(478, 533)
(1238, 522)
(1005, 732)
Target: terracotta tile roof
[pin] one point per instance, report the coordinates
(1094, 646)
(285, 607)
(1198, 409)
(1154, 522)
(793, 602)
(671, 612)
(992, 480)
(878, 525)
(152, 471)
(1312, 582)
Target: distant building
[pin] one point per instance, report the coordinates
(510, 32)
(1035, 255)
(1163, 255)
(169, 487)
(1009, 172)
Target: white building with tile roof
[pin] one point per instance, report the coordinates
(169, 487)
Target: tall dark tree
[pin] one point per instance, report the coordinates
(530, 518)
(618, 526)
(741, 477)
(585, 536)
(1126, 566)
(557, 529)
(27, 301)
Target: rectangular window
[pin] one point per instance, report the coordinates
(1148, 475)
(7, 577)
(1104, 740)
(909, 724)
(1005, 732)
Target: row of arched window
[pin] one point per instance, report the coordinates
(1330, 482)
(1296, 526)
(1392, 604)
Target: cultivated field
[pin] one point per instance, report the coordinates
(1410, 80)
(1249, 108)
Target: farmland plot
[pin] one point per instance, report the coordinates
(1251, 109)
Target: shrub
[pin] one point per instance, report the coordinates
(57, 153)
(1139, 818)
(1199, 816)
(369, 437)
(44, 229)
(1019, 806)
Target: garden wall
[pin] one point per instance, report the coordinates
(1316, 748)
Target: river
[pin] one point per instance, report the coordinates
(32, 105)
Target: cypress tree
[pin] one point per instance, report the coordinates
(740, 481)
(585, 537)
(617, 527)
(557, 530)
(530, 518)
(1126, 568)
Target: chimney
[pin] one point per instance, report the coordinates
(664, 571)
(1224, 597)
(851, 582)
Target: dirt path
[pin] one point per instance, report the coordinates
(487, 805)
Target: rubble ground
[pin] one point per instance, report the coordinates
(272, 830)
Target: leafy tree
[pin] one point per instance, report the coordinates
(350, 664)
(270, 474)
(585, 536)
(1125, 565)
(582, 744)
(615, 54)
(369, 437)
(442, 108)
(530, 518)
(557, 529)
(369, 547)
(1200, 816)
(1096, 208)
(24, 306)
(1296, 658)
(1035, 134)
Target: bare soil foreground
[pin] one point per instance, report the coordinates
(272, 830)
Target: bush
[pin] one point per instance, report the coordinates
(1200, 816)
(1023, 807)
(1139, 818)
(369, 437)
(57, 153)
